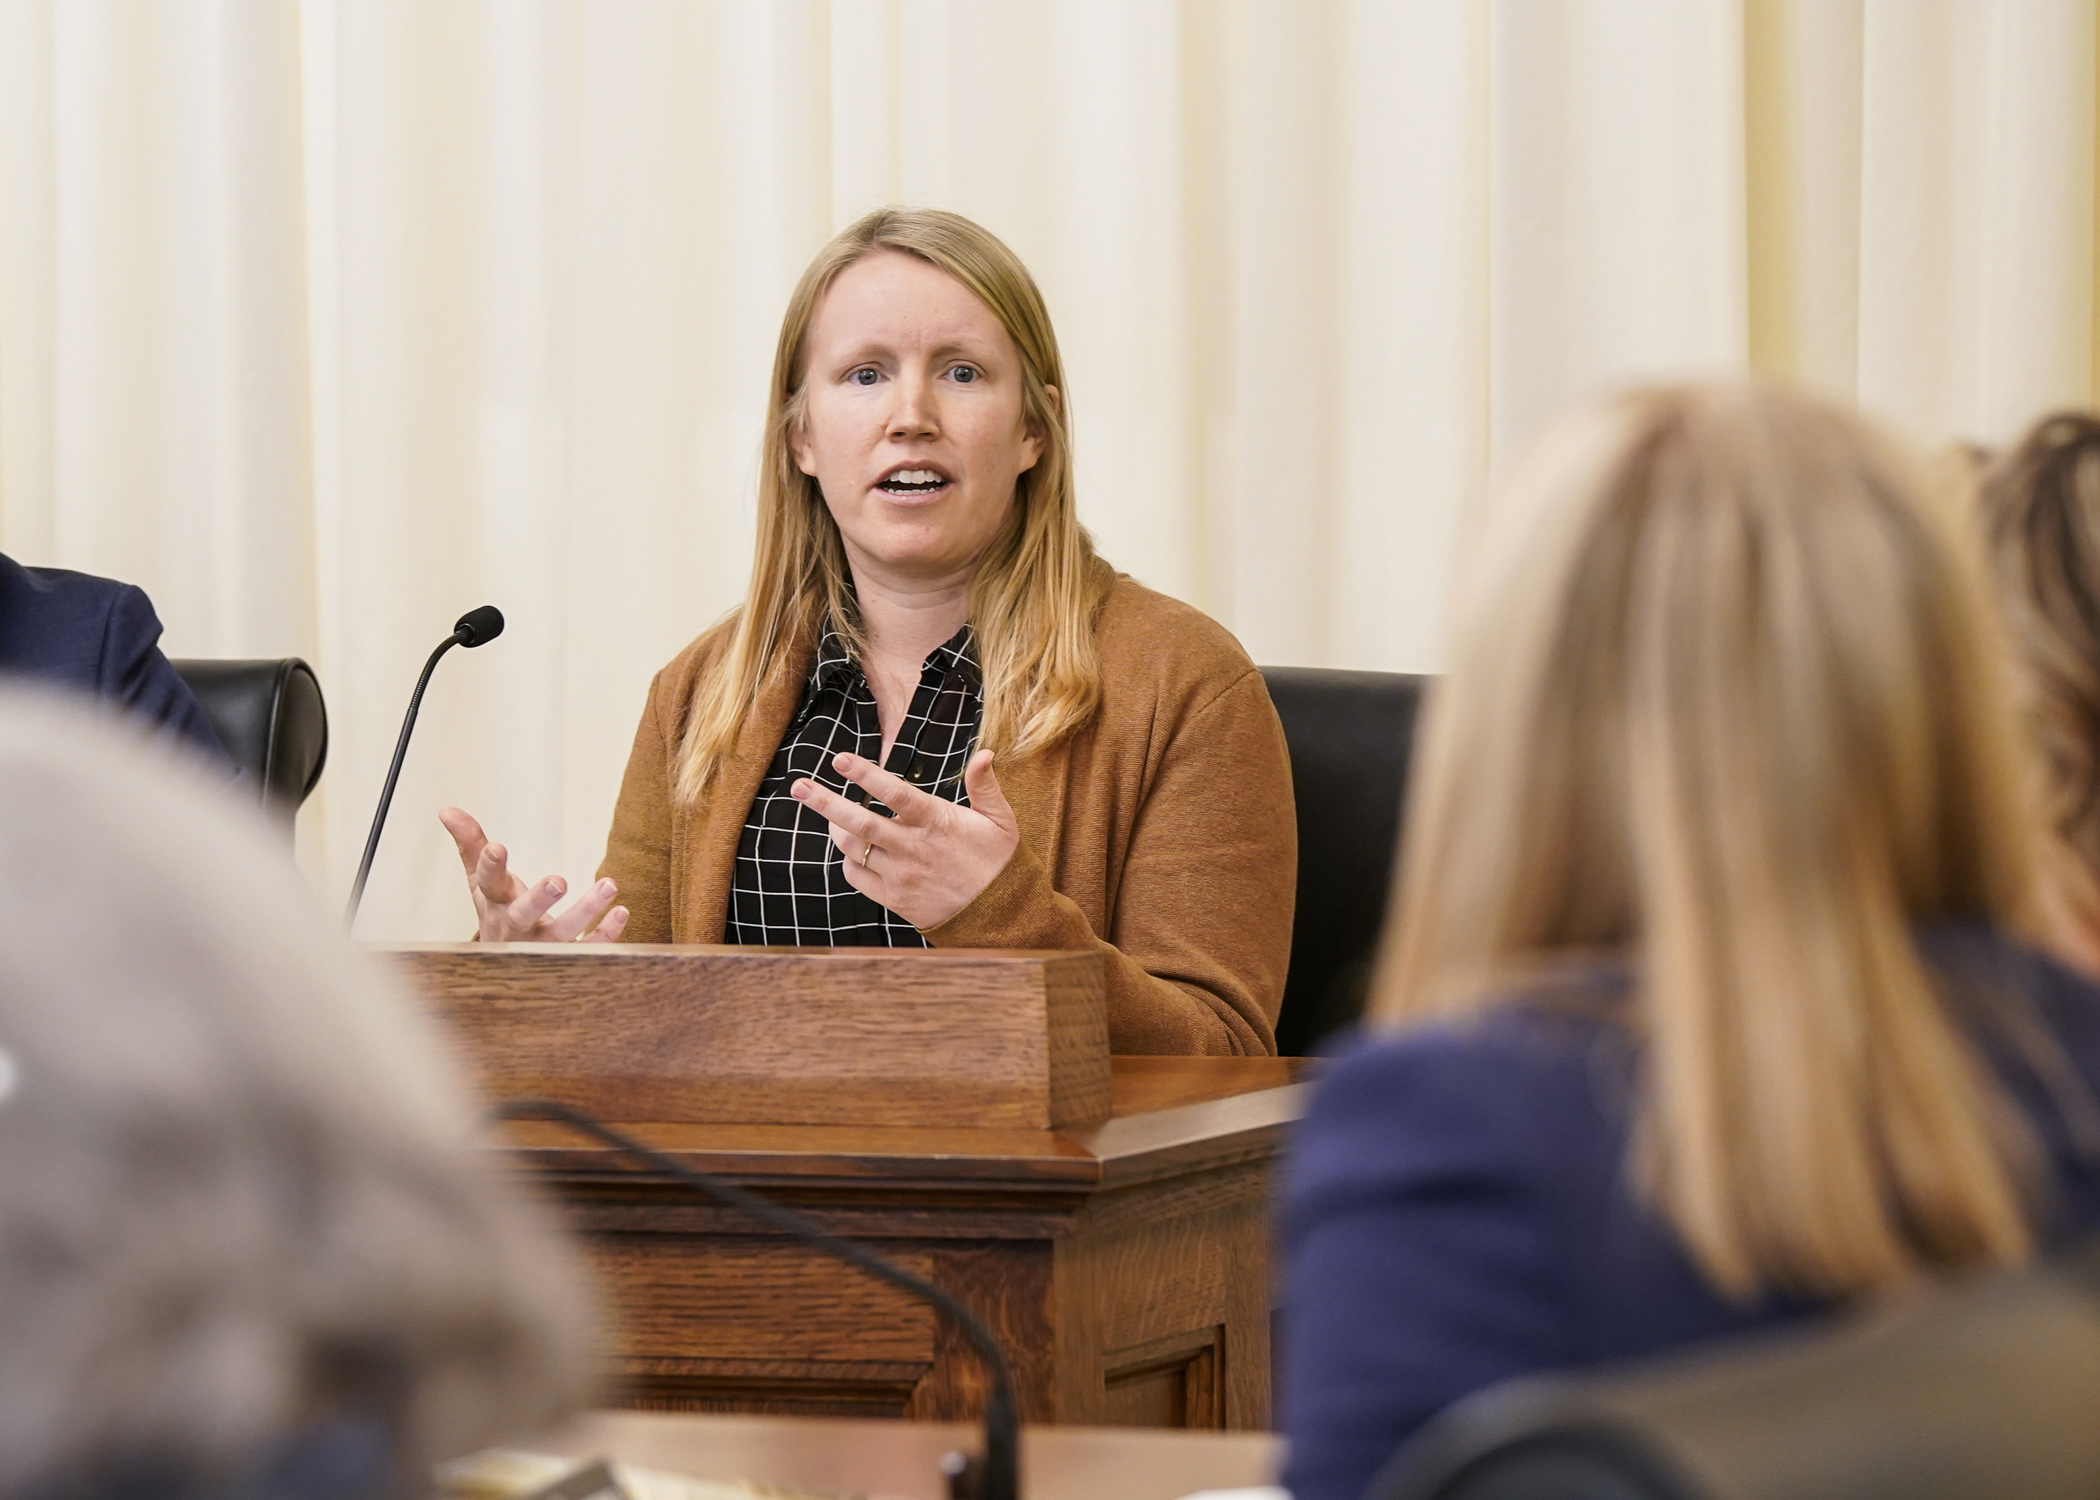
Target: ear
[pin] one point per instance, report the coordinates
(799, 446)
(1036, 439)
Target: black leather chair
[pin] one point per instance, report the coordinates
(1988, 1391)
(273, 721)
(1350, 735)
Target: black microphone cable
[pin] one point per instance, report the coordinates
(998, 1475)
(477, 627)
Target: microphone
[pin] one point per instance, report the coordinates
(477, 627)
(994, 1476)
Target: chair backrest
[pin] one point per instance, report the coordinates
(1990, 1389)
(1350, 735)
(272, 720)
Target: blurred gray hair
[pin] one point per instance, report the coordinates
(238, 1190)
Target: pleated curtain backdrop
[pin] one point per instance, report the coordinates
(326, 320)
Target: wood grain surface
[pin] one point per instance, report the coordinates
(1124, 1265)
(779, 1036)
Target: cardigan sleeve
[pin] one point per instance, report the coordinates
(638, 850)
(1200, 933)
(1423, 1255)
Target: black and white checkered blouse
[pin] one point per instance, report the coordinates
(790, 884)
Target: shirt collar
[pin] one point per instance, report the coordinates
(835, 664)
(959, 654)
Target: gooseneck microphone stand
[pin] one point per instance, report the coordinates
(477, 627)
(997, 1475)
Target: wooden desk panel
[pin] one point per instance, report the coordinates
(1125, 1266)
(792, 1036)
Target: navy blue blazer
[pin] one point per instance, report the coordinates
(1456, 1209)
(97, 636)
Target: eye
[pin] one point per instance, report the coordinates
(865, 375)
(965, 374)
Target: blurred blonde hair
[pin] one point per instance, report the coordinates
(239, 1193)
(1724, 698)
(1036, 592)
(2040, 506)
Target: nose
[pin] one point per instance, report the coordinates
(913, 415)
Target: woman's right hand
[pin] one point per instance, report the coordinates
(510, 911)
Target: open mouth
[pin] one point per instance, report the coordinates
(913, 482)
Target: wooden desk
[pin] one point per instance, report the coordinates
(1125, 1265)
(902, 1459)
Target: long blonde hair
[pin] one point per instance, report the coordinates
(1035, 594)
(2040, 506)
(1725, 698)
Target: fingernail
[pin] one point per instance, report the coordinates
(606, 888)
(555, 886)
(798, 790)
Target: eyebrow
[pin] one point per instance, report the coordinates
(866, 352)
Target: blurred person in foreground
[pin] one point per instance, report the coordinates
(2040, 507)
(246, 1246)
(1702, 1007)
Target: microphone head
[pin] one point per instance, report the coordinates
(477, 627)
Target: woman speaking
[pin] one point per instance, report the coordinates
(818, 768)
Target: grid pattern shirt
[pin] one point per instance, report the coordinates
(790, 884)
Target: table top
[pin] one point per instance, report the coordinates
(902, 1459)
(1168, 1113)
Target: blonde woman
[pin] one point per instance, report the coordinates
(2041, 510)
(819, 767)
(246, 1245)
(1702, 1005)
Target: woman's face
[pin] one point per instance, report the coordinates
(912, 420)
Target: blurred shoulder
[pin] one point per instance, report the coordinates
(1982, 962)
(1515, 1090)
(1496, 1054)
(2070, 1004)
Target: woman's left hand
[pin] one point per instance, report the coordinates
(934, 857)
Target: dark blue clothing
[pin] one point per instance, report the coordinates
(1457, 1209)
(96, 636)
(340, 1457)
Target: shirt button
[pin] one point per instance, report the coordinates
(917, 771)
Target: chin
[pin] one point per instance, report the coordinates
(923, 560)
(921, 557)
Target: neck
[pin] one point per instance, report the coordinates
(904, 620)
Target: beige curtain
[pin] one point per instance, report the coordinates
(326, 320)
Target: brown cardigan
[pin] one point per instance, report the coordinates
(1163, 836)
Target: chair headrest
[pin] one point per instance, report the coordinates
(272, 719)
